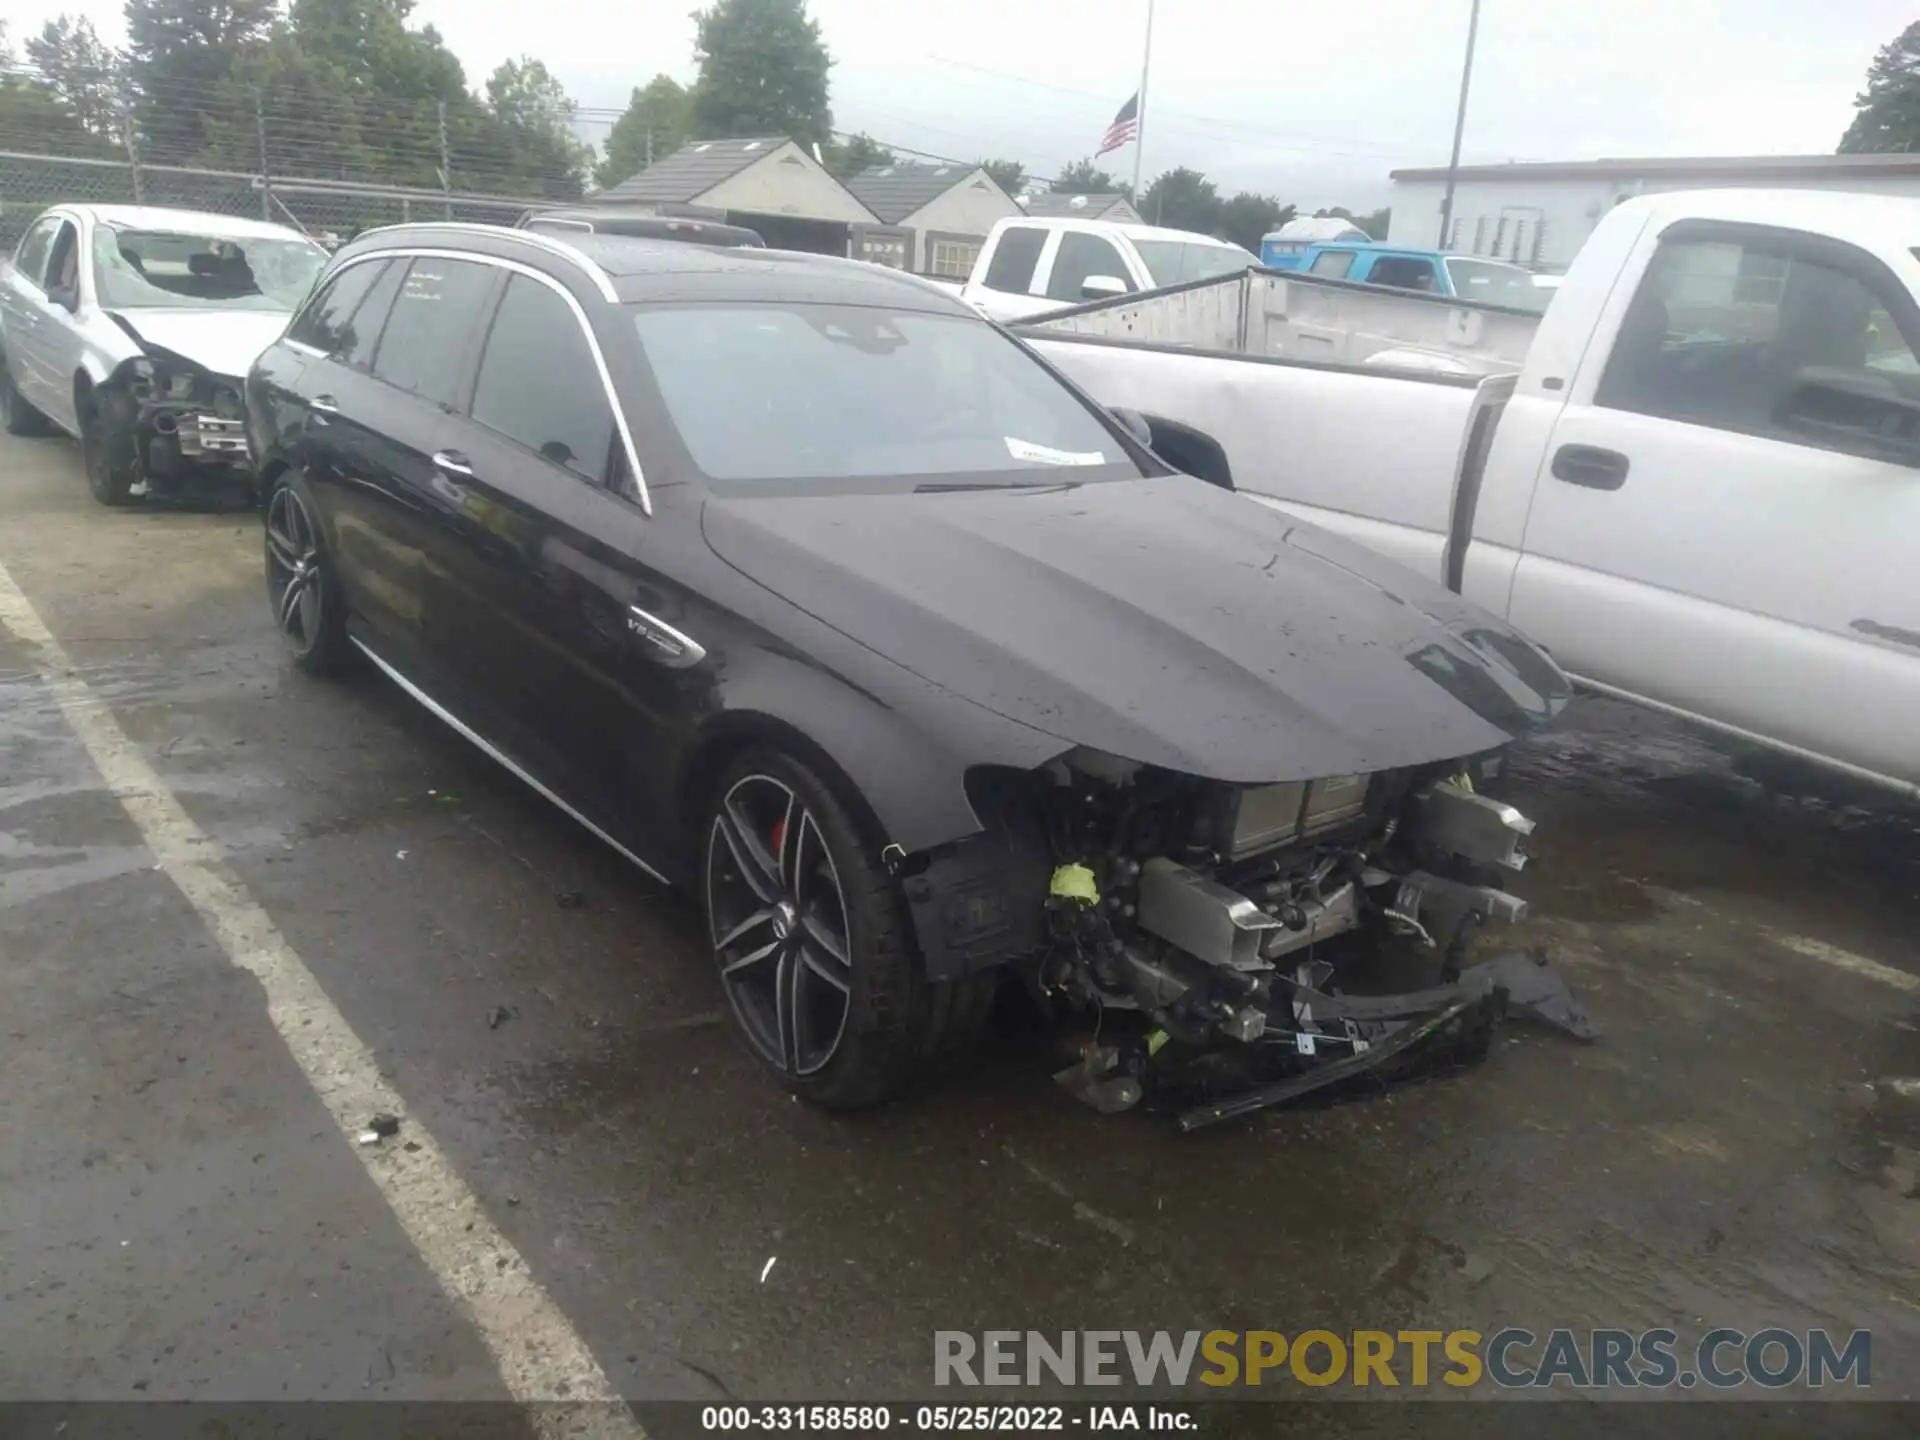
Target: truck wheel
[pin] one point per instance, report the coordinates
(17, 416)
(308, 609)
(814, 944)
(106, 447)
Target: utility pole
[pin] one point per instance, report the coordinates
(1459, 127)
(266, 173)
(446, 157)
(1140, 129)
(130, 139)
(649, 147)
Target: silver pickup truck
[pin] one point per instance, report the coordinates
(132, 329)
(1697, 483)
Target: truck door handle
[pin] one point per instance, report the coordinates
(1591, 466)
(453, 463)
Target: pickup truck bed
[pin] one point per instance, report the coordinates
(1309, 317)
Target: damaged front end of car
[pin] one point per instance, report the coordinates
(179, 419)
(1237, 946)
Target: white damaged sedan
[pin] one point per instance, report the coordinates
(132, 329)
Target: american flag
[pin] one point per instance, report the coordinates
(1125, 126)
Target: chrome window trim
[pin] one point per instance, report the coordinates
(498, 756)
(602, 282)
(518, 267)
(301, 347)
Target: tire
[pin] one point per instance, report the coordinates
(106, 447)
(309, 611)
(791, 889)
(17, 415)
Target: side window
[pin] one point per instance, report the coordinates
(328, 323)
(1079, 256)
(63, 261)
(1332, 263)
(538, 383)
(425, 340)
(1765, 337)
(370, 315)
(1018, 251)
(1404, 272)
(31, 258)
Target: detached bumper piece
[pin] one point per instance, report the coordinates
(1518, 985)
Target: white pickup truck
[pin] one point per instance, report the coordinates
(1032, 264)
(1701, 490)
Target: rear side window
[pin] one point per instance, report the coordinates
(1332, 263)
(1011, 269)
(538, 383)
(425, 341)
(1403, 272)
(1079, 257)
(328, 323)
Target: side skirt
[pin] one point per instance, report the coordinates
(500, 757)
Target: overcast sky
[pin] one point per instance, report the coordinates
(1314, 102)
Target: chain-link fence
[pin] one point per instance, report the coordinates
(325, 162)
(325, 209)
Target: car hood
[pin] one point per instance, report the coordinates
(221, 342)
(1161, 620)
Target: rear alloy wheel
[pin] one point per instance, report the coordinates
(17, 415)
(306, 602)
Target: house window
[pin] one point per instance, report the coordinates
(954, 257)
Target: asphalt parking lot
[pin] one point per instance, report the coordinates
(184, 1214)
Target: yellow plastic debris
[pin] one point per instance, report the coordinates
(1075, 882)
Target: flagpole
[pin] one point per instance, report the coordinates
(1140, 131)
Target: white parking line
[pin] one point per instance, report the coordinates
(541, 1358)
(1845, 960)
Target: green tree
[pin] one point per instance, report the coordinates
(1887, 112)
(79, 68)
(1375, 222)
(34, 117)
(657, 122)
(1083, 177)
(536, 114)
(858, 152)
(1183, 199)
(1247, 217)
(1009, 175)
(763, 71)
(180, 56)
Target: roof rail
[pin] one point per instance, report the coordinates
(581, 261)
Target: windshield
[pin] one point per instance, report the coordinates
(1497, 284)
(135, 269)
(839, 392)
(1174, 262)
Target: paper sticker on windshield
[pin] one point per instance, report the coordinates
(1047, 455)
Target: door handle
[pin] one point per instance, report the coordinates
(1593, 466)
(452, 462)
(320, 407)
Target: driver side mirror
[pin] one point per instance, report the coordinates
(67, 297)
(1134, 423)
(1103, 287)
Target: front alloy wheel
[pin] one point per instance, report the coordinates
(306, 605)
(780, 926)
